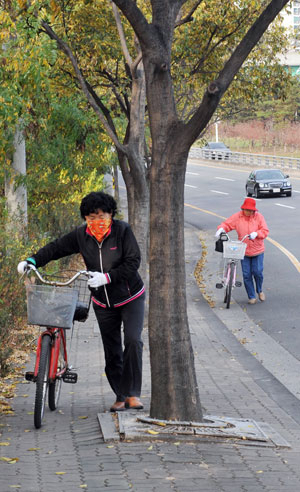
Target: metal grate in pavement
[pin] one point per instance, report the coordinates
(138, 426)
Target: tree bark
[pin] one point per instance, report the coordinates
(174, 389)
(16, 195)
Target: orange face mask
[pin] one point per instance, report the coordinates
(99, 228)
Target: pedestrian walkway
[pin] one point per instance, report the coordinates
(68, 453)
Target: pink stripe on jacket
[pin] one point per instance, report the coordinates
(245, 225)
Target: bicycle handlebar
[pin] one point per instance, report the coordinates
(228, 237)
(51, 282)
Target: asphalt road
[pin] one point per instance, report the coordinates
(212, 192)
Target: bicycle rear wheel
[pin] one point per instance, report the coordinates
(230, 275)
(42, 381)
(55, 386)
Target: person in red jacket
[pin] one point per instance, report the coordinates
(250, 221)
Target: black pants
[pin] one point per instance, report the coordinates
(123, 368)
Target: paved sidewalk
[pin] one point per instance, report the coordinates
(68, 453)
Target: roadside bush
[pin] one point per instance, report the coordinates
(12, 300)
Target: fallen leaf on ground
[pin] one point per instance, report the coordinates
(9, 460)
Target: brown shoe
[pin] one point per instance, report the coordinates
(262, 296)
(118, 406)
(252, 301)
(134, 403)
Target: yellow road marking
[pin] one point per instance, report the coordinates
(290, 256)
(204, 211)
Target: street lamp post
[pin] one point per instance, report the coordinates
(217, 133)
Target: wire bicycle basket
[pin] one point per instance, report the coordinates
(51, 305)
(48, 305)
(234, 250)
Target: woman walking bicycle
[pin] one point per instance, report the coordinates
(250, 222)
(112, 256)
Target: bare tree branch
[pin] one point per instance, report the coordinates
(136, 18)
(121, 33)
(135, 64)
(189, 16)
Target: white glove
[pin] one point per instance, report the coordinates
(97, 280)
(219, 232)
(22, 267)
(253, 235)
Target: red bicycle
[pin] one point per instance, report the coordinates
(55, 305)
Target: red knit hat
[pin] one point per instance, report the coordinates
(249, 204)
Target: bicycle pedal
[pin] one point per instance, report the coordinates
(29, 376)
(70, 377)
(219, 286)
(238, 284)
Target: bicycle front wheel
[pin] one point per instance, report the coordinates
(230, 276)
(55, 386)
(42, 381)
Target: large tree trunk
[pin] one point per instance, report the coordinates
(175, 394)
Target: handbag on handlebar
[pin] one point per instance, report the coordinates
(219, 246)
(219, 243)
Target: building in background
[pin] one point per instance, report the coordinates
(291, 20)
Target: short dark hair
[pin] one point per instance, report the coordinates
(97, 200)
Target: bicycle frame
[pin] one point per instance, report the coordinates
(57, 337)
(227, 270)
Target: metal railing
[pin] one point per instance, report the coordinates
(254, 160)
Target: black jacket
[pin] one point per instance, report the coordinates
(118, 255)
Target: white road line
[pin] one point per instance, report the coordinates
(224, 179)
(285, 206)
(296, 191)
(190, 186)
(194, 174)
(220, 192)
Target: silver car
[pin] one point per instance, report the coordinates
(216, 150)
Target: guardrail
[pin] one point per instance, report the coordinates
(254, 160)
